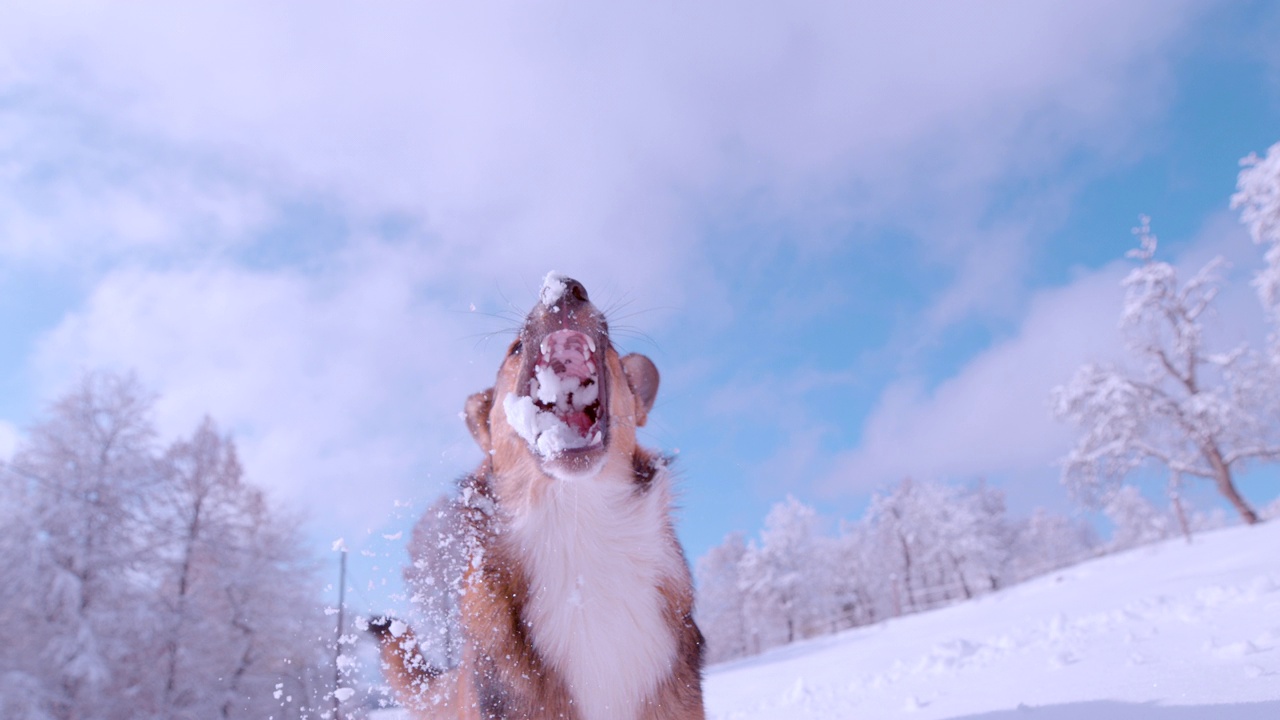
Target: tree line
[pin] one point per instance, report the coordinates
(921, 545)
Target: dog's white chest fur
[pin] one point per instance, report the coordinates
(596, 552)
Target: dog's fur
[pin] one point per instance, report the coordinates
(577, 602)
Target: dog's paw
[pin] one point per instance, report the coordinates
(382, 626)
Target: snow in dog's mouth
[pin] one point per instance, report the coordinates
(563, 409)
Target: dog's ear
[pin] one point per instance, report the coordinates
(642, 378)
(477, 414)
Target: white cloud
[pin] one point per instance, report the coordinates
(992, 416)
(75, 191)
(343, 389)
(511, 129)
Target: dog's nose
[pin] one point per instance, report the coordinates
(574, 293)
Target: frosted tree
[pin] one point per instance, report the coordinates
(235, 588)
(1046, 542)
(196, 512)
(145, 586)
(777, 576)
(1193, 411)
(978, 538)
(851, 566)
(939, 543)
(1135, 520)
(277, 659)
(892, 520)
(720, 608)
(1258, 199)
(81, 482)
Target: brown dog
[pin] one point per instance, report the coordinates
(577, 601)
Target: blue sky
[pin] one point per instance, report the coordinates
(859, 243)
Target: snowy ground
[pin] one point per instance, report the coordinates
(1166, 632)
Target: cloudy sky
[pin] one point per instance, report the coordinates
(859, 242)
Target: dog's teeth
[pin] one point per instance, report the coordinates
(591, 344)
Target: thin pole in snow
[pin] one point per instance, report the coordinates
(337, 641)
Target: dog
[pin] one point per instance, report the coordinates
(576, 601)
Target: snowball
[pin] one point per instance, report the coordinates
(343, 694)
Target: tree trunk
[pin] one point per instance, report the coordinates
(906, 572)
(1226, 486)
(1181, 513)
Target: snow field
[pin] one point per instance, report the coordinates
(1156, 632)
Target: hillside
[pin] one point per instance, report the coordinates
(1164, 632)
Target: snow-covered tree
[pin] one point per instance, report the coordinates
(979, 539)
(1046, 542)
(939, 542)
(1194, 411)
(1258, 199)
(235, 588)
(720, 608)
(1135, 520)
(145, 586)
(278, 639)
(782, 590)
(81, 483)
(195, 514)
(856, 588)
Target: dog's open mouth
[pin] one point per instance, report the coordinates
(563, 410)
